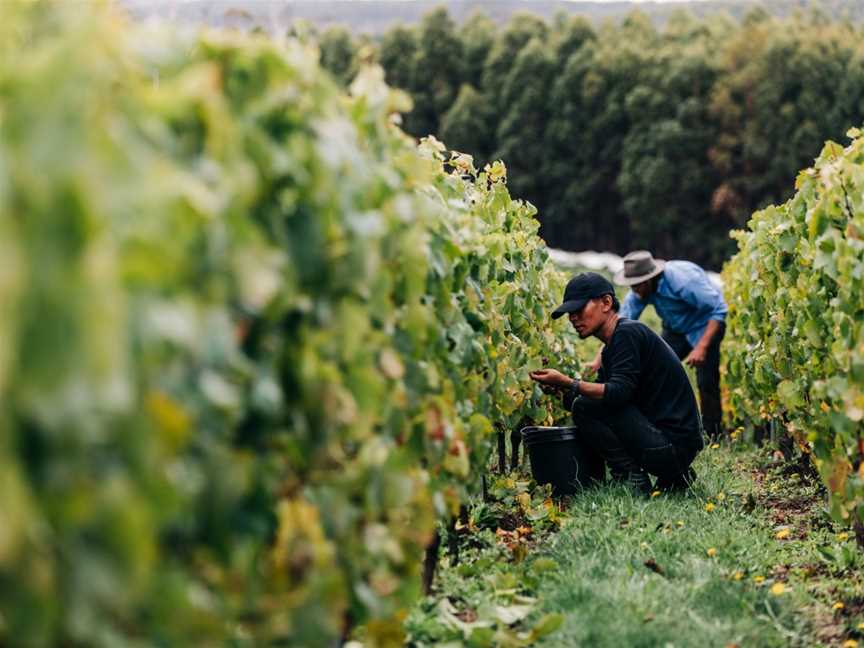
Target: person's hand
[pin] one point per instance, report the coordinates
(544, 387)
(551, 378)
(696, 358)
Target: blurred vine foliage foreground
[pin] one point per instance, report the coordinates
(796, 304)
(254, 340)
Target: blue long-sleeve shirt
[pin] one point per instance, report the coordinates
(685, 300)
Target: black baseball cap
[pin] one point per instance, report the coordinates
(580, 289)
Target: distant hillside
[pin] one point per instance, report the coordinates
(376, 16)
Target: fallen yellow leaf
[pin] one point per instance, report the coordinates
(655, 494)
(714, 446)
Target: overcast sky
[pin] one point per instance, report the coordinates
(598, 1)
(290, 1)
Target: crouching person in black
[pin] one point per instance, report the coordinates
(641, 415)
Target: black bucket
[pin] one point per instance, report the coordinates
(558, 457)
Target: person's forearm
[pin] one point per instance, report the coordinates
(708, 335)
(591, 390)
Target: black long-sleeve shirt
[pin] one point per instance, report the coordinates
(640, 368)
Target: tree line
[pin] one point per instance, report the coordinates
(628, 135)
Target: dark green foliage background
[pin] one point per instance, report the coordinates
(629, 135)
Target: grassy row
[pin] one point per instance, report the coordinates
(750, 558)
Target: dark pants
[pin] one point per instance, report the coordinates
(628, 441)
(707, 377)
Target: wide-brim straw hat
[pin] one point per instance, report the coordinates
(639, 266)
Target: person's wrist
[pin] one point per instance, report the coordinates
(570, 393)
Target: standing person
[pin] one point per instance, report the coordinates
(693, 313)
(641, 416)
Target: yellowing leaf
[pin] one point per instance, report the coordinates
(839, 472)
(391, 365)
(547, 624)
(496, 171)
(789, 394)
(171, 419)
(457, 460)
(463, 162)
